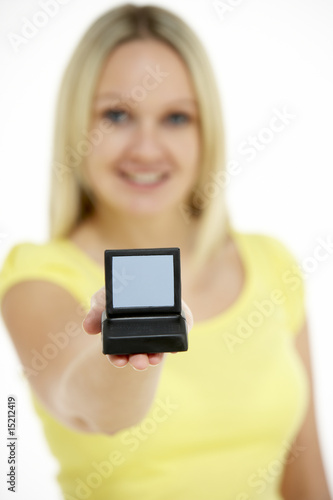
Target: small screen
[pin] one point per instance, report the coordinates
(143, 281)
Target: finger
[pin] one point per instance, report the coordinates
(92, 322)
(155, 358)
(188, 315)
(117, 361)
(139, 362)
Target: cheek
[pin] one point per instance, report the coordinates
(104, 155)
(109, 147)
(187, 149)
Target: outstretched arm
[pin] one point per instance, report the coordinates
(79, 386)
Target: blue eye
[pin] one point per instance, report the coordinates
(115, 115)
(178, 118)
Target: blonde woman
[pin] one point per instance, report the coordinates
(139, 163)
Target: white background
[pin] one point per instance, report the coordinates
(267, 54)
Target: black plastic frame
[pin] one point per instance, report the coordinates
(125, 312)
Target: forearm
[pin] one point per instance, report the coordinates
(106, 398)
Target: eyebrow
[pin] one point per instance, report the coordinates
(107, 95)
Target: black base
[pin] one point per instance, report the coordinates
(136, 335)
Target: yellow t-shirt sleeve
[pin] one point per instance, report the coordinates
(291, 281)
(29, 261)
(17, 267)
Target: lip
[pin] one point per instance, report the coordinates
(128, 177)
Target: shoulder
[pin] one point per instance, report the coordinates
(267, 249)
(40, 279)
(26, 258)
(26, 271)
(276, 266)
(39, 292)
(54, 261)
(273, 261)
(258, 239)
(29, 253)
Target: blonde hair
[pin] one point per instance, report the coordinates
(70, 202)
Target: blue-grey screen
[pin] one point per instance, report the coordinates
(143, 281)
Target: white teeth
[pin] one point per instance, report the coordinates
(145, 177)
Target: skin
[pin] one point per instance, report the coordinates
(304, 476)
(160, 134)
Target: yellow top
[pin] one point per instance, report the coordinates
(219, 430)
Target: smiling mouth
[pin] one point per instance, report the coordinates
(144, 178)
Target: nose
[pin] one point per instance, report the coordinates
(145, 145)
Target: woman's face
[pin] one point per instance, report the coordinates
(146, 149)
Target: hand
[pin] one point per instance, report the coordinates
(92, 325)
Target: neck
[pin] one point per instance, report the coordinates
(141, 231)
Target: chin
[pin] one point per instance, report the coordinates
(147, 210)
(145, 207)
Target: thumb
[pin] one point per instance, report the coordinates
(188, 315)
(92, 322)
